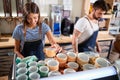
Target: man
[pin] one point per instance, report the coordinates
(86, 29)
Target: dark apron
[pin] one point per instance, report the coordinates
(33, 48)
(90, 42)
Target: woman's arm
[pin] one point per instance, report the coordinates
(17, 49)
(76, 34)
(53, 42)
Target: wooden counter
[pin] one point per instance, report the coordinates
(6, 42)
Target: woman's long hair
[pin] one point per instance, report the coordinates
(30, 7)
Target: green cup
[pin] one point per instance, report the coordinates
(44, 70)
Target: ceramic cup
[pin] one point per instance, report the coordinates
(71, 56)
(53, 65)
(32, 63)
(44, 71)
(22, 71)
(68, 70)
(101, 62)
(34, 76)
(22, 77)
(32, 69)
(54, 73)
(88, 67)
(21, 65)
(41, 63)
(73, 65)
(62, 58)
(82, 58)
(50, 52)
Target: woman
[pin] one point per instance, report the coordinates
(30, 36)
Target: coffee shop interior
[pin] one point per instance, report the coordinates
(60, 16)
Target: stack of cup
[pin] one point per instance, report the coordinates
(54, 73)
(82, 59)
(68, 70)
(53, 65)
(101, 62)
(88, 67)
(71, 56)
(50, 52)
(62, 59)
(73, 65)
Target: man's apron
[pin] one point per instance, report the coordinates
(90, 42)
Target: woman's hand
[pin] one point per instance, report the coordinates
(57, 47)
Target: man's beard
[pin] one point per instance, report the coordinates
(94, 16)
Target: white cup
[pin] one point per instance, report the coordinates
(22, 77)
(88, 67)
(32, 69)
(53, 65)
(101, 62)
(82, 58)
(22, 71)
(73, 65)
(54, 73)
(71, 56)
(34, 76)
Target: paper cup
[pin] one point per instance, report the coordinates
(88, 67)
(101, 62)
(34, 76)
(22, 77)
(71, 56)
(82, 58)
(54, 73)
(53, 65)
(44, 71)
